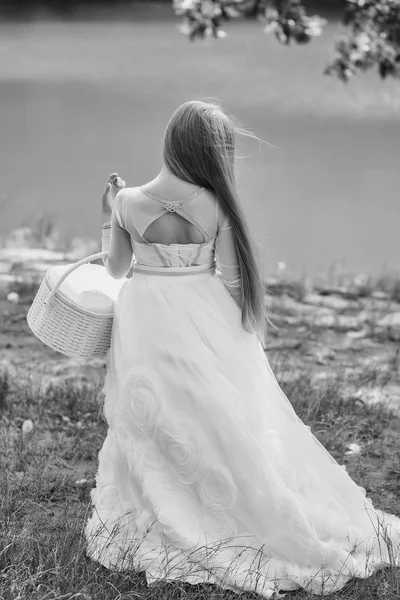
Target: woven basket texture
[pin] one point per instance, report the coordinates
(66, 327)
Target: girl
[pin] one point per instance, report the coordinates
(206, 473)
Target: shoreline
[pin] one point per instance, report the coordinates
(330, 327)
(24, 260)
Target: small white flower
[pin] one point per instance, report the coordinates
(281, 265)
(13, 297)
(27, 426)
(353, 449)
(81, 481)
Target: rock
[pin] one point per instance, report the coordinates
(323, 321)
(294, 289)
(284, 345)
(321, 353)
(26, 255)
(345, 292)
(279, 319)
(332, 302)
(356, 335)
(337, 322)
(323, 375)
(380, 295)
(287, 376)
(390, 320)
(364, 316)
(285, 305)
(391, 325)
(375, 308)
(305, 308)
(348, 322)
(388, 396)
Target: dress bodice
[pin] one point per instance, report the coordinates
(134, 211)
(138, 213)
(174, 255)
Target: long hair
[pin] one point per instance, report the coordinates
(199, 147)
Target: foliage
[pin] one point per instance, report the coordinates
(373, 29)
(374, 39)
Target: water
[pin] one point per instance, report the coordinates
(81, 100)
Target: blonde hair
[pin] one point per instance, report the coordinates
(199, 147)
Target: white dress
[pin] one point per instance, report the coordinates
(207, 474)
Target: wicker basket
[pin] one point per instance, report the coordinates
(65, 326)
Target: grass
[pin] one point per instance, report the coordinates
(347, 285)
(46, 477)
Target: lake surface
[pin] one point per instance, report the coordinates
(80, 100)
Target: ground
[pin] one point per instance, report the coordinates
(335, 353)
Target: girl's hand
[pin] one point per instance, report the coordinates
(113, 185)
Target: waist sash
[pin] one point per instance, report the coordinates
(178, 271)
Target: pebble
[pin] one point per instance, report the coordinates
(328, 301)
(13, 297)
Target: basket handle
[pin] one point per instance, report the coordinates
(72, 268)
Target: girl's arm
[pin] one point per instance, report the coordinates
(113, 185)
(227, 261)
(117, 241)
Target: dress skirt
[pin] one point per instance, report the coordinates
(207, 475)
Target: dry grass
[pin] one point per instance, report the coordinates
(43, 508)
(46, 475)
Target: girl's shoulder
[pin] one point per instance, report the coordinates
(125, 197)
(131, 192)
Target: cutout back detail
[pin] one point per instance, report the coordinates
(173, 223)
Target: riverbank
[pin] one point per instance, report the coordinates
(337, 322)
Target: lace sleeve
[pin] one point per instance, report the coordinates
(226, 259)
